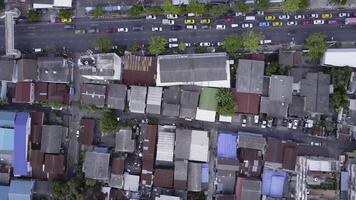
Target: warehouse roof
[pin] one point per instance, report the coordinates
(249, 76)
(154, 99)
(117, 96)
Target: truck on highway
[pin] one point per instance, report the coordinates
(350, 21)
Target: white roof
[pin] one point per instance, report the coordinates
(223, 118)
(154, 96)
(322, 165)
(166, 197)
(199, 147)
(56, 3)
(205, 115)
(340, 57)
(137, 99)
(352, 104)
(106, 190)
(165, 146)
(131, 182)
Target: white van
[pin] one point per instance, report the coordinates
(250, 18)
(38, 50)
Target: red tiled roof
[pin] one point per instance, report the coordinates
(180, 185)
(24, 92)
(41, 92)
(163, 178)
(281, 152)
(86, 132)
(251, 156)
(246, 102)
(238, 189)
(54, 166)
(36, 162)
(118, 166)
(149, 147)
(36, 127)
(58, 93)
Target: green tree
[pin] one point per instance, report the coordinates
(304, 4)
(339, 99)
(103, 44)
(200, 49)
(169, 8)
(218, 10)
(226, 103)
(276, 69)
(196, 8)
(338, 2)
(262, 5)
(32, 16)
(98, 12)
(136, 11)
(132, 47)
(251, 41)
(157, 45)
(340, 77)
(232, 43)
(290, 6)
(90, 182)
(108, 122)
(155, 10)
(316, 44)
(64, 14)
(182, 46)
(242, 7)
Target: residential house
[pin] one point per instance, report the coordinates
(280, 96)
(7, 137)
(348, 186)
(251, 141)
(105, 66)
(93, 95)
(137, 99)
(25, 92)
(96, 164)
(131, 182)
(227, 145)
(189, 100)
(248, 188)
(139, 70)
(52, 137)
(280, 154)
(208, 105)
(23, 70)
(5, 174)
(148, 155)
(54, 166)
(208, 69)
(22, 134)
(117, 173)
(249, 85)
(124, 141)
(163, 178)
(290, 58)
(117, 96)
(51, 93)
(198, 177)
(53, 69)
(180, 2)
(86, 131)
(273, 183)
(49, 4)
(21, 189)
(165, 145)
(171, 101)
(180, 174)
(192, 145)
(7, 68)
(36, 127)
(36, 163)
(154, 100)
(352, 84)
(339, 57)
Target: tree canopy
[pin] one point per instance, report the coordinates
(316, 44)
(290, 6)
(103, 44)
(108, 122)
(196, 8)
(251, 41)
(276, 69)
(262, 5)
(226, 103)
(340, 77)
(155, 10)
(169, 8)
(98, 12)
(338, 2)
(304, 4)
(218, 10)
(157, 45)
(136, 11)
(242, 7)
(32, 16)
(339, 99)
(182, 46)
(232, 43)
(64, 14)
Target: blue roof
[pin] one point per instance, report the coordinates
(21, 138)
(20, 190)
(7, 139)
(204, 173)
(344, 181)
(4, 192)
(7, 119)
(273, 183)
(101, 149)
(227, 145)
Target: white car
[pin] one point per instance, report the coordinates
(172, 39)
(247, 25)
(172, 16)
(219, 44)
(220, 26)
(318, 21)
(264, 123)
(244, 122)
(123, 29)
(191, 14)
(290, 124)
(265, 42)
(292, 23)
(77, 134)
(295, 124)
(205, 44)
(156, 28)
(167, 21)
(151, 17)
(315, 144)
(314, 15)
(190, 27)
(344, 14)
(187, 44)
(283, 17)
(173, 45)
(256, 119)
(299, 17)
(234, 25)
(269, 123)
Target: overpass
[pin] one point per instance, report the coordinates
(10, 51)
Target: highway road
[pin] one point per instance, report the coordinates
(46, 35)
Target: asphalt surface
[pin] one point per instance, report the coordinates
(46, 35)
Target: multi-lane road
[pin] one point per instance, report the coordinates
(46, 35)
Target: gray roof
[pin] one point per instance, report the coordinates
(297, 108)
(183, 141)
(117, 96)
(290, 58)
(154, 99)
(273, 108)
(93, 94)
(194, 177)
(26, 69)
(7, 68)
(189, 103)
(251, 189)
(181, 170)
(171, 95)
(137, 99)
(124, 141)
(116, 181)
(249, 76)
(52, 136)
(96, 165)
(170, 110)
(227, 164)
(266, 81)
(192, 67)
(107, 65)
(53, 70)
(315, 87)
(281, 88)
(252, 142)
(226, 180)
(299, 73)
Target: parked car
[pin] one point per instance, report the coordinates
(256, 119)
(172, 39)
(123, 29)
(93, 30)
(318, 21)
(264, 123)
(176, 27)
(205, 21)
(270, 17)
(229, 20)
(326, 15)
(244, 122)
(292, 23)
(191, 27)
(247, 25)
(205, 44)
(299, 16)
(263, 24)
(150, 17)
(332, 21)
(173, 45)
(205, 27)
(277, 23)
(234, 25)
(314, 15)
(219, 44)
(282, 17)
(315, 144)
(295, 124)
(156, 28)
(80, 31)
(167, 21)
(189, 21)
(220, 26)
(306, 22)
(191, 14)
(262, 42)
(290, 124)
(172, 16)
(269, 123)
(187, 44)
(110, 30)
(137, 28)
(344, 14)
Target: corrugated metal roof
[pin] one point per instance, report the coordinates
(227, 145)
(7, 139)
(7, 119)
(165, 146)
(20, 147)
(154, 99)
(137, 99)
(20, 190)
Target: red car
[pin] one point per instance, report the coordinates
(306, 22)
(229, 20)
(110, 30)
